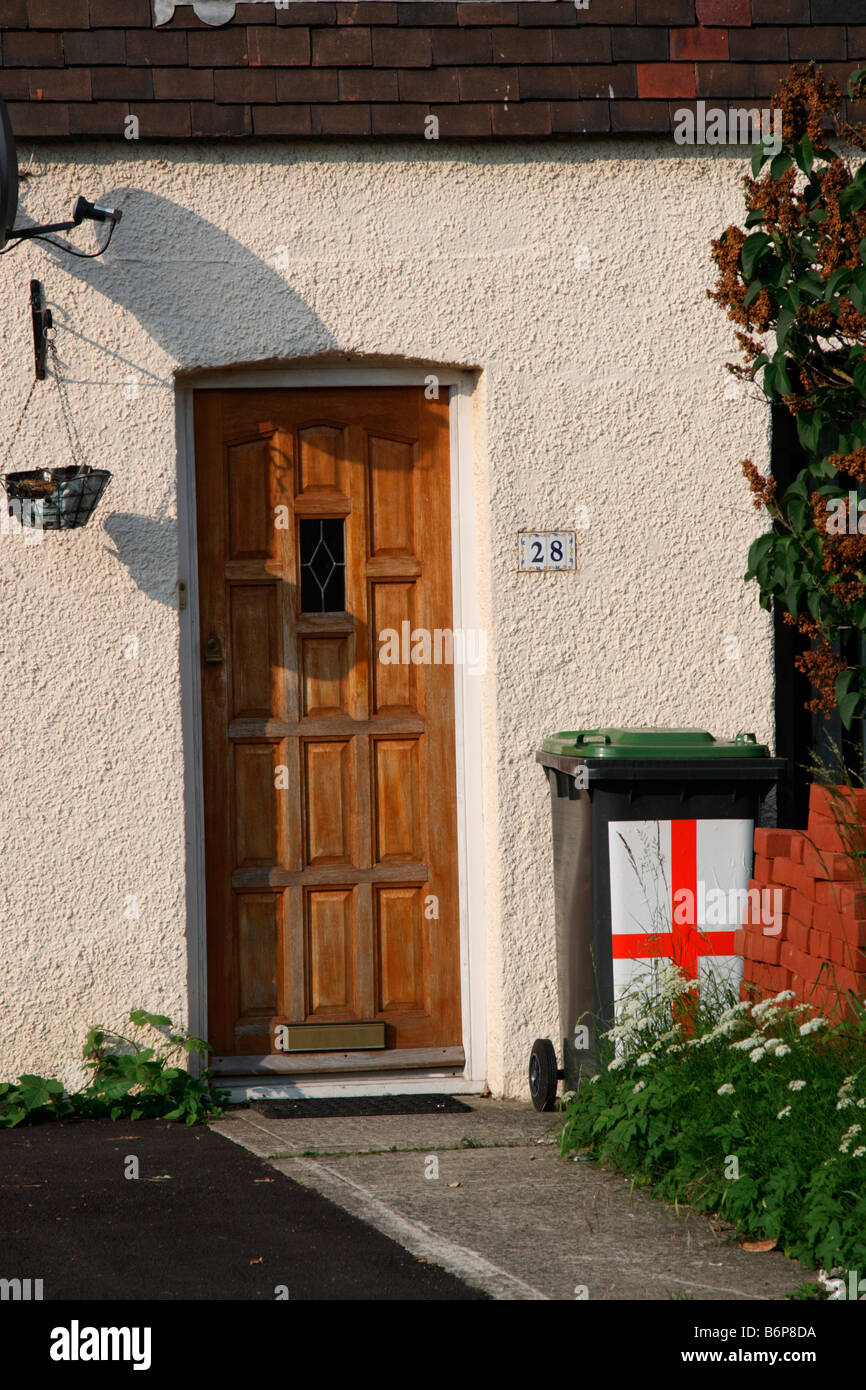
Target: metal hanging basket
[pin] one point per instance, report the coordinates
(55, 499)
(59, 498)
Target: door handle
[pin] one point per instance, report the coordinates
(213, 651)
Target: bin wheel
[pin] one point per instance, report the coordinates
(542, 1074)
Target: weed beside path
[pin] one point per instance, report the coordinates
(754, 1111)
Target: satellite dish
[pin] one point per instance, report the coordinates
(82, 210)
(8, 176)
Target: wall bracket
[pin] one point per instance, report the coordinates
(42, 321)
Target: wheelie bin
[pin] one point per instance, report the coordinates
(652, 856)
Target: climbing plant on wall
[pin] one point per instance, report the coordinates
(793, 280)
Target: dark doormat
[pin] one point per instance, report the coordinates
(325, 1109)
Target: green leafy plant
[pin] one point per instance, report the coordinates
(808, 1293)
(756, 1112)
(129, 1080)
(33, 1098)
(796, 272)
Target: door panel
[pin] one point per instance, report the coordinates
(329, 776)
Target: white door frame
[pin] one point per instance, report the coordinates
(468, 722)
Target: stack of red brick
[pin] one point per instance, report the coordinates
(820, 951)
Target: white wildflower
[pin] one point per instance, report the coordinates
(811, 1026)
(616, 1064)
(758, 1053)
(726, 1090)
(639, 1087)
(847, 1137)
(796, 1085)
(745, 1044)
(782, 1113)
(736, 1009)
(723, 1028)
(782, 1050)
(858, 1153)
(644, 1059)
(766, 1009)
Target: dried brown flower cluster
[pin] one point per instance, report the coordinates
(853, 464)
(730, 290)
(821, 666)
(843, 559)
(777, 200)
(763, 489)
(843, 554)
(838, 239)
(806, 100)
(854, 133)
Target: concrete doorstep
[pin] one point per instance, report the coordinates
(485, 1196)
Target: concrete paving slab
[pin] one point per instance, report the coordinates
(506, 1214)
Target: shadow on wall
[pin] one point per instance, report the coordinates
(207, 300)
(146, 545)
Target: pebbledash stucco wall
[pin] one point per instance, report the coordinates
(571, 277)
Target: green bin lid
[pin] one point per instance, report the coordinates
(651, 743)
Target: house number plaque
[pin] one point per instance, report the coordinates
(546, 550)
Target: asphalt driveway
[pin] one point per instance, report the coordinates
(204, 1219)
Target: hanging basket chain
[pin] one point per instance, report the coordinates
(72, 434)
(75, 448)
(18, 424)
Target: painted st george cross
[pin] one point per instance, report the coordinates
(676, 891)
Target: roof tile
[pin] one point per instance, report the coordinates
(282, 120)
(209, 119)
(35, 118)
(334, 48)
(377, 67)
(341, 120)
(278, 48)
(464, 121)
(402, 119)
(59, 14)
(218, 49)
(96, 46)
(160, 48)
(403, 48)
(109, 14)
(580, 117)
(522, 118)
(160, 120)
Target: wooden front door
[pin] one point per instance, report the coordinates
(323, 520)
